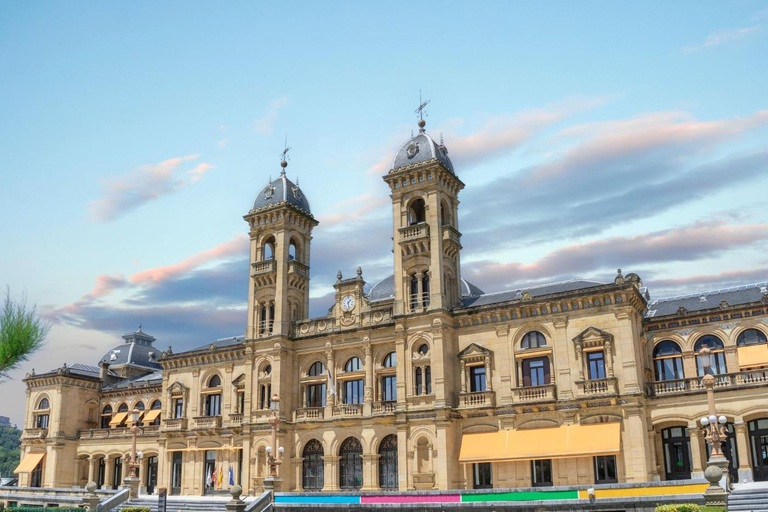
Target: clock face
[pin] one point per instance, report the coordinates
(347, 303)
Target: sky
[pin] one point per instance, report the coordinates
(591, 136)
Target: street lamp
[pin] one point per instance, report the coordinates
(274, 460)
(133, 464)
(714, 428)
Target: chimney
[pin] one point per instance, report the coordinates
(103, 370)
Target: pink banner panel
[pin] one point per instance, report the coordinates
(418, 498)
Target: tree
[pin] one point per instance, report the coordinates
(10, 442)
(22, 331)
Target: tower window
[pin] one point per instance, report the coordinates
(268, 251)
(292, 251)
(425, 290)
(416, 213)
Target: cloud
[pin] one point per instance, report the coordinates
(614, 172)
(222, 143)
(146, 183)
(687, 243)
(265, 124)
(501, 134)
(722, 36)
(707, 282)
(354, 209)
(106, 284)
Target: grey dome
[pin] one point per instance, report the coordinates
(421, 148)
(385, 289)
(136, 351)
(281, 190)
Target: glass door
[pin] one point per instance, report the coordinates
(151, 475)
(758, 437)
(677, 453)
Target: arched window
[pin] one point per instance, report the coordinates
(268, 250)
(418, 382)
(41, 418)
(668, 361)
(292, 250)
(388, 463)
(139, 406)
(351, 464)
(106, 416)
(445, 214)
(123, 408)
(156, 405)
(390, 361)
(533, 339)
(751, 337)
(267, 370)
(212, 405)
(353, 365)
(714, 344)
(312, 466)
(317, 369)
(44, 404)
(214, 382)
(416, 212)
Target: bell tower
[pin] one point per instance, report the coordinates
(424, 192)
(281, 226)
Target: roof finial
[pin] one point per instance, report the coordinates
(441, 139)
(284, 157)
(420, 111)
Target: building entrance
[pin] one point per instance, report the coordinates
(677, 453)
(758, 440)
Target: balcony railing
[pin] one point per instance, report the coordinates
(451, 234)
(723, 381)
(300, 269)
(535, 393)
(262, 267)
(414, 232)
(207, 421)
(384, 408)
(597, 387)
(175, 423)
(349, 410)
(310, 413)
(35, 433)
(477, 399)
(236, 419)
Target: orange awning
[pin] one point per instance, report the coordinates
(567, 441)
(150, 416)
(752, 356)
(29, 462)
(118, 419)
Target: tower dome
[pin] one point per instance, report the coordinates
(421, 148)
(282, 191)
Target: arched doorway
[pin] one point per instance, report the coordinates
(388, 463)
(758, 444)
(351, 464)
(151, 474)
(312, 467)
(677, 453)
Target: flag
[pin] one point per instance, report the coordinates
(231, 476)
(209, 480)
(330, 382)
(221, 476)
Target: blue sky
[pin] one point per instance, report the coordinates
(591, 136)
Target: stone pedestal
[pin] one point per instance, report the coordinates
(91, 501)
(273, 484)
(235, 504)
(132, 482)
(716, 495)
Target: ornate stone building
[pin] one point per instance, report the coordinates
(420, 382)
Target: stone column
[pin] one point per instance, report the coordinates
(561, 365)
(330, 399)
(92, 468)
(405, 466)
(697, 458)
(369, 384)
(488, 374)
(463, 377)
(109, 472)
(297, 463)
(330, 473)
(654, 473)
(370, 472)
(296, 383)
(742, 449)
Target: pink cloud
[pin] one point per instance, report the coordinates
(105, 284)
(142, 185)
(360, 205)
(265, 124)
(234, 247)
(723, 279)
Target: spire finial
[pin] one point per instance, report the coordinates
(420, 111)
(284, 157)
(441, 139)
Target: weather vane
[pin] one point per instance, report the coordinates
(420, 111)
(284, 155)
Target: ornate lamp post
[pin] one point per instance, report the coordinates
(714, 428)
(274, 457)
(133, 464)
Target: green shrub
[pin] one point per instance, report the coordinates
(135, 509)
(682, 507)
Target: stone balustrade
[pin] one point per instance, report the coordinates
(544, 393)
(384, 408)
(262, 267)
(414, 232)
(477, 399)
(299, 269)
(236, 419)
(310, 413)
(348, 410)
(723, 381)
(207, 421)
(175, 423)
(596, 387)
(35, 433)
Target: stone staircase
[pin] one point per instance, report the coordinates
(748, 497)
(183, 503)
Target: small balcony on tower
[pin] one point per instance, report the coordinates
(414, 239)
(264, 272)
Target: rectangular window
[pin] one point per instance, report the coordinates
(213, 405)
(178, 408)
(482, 477)
(176, 473)
(42, 421)
(536, 372)
(477, 379)
(241, 402)
(116, 477)
(418, 381)
(605, 469)
(541, 472)
(101, 473)
(353, 391)
(596, 362)
(389, 388)
(428, 379)
(316, 395)
(265, 396)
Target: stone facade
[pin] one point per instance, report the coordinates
(381, 392)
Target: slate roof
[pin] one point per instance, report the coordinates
(421, 148)
(150, 379)
(282, 190)
(535, 291)
(385, 289)
(135, 354)
(219, 343)
(738, 295)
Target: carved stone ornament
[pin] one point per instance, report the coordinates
(412, 150)
(269, 192)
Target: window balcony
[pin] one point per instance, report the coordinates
(235, 420)
(723, 381)
(417, 401)
(477, 399)
(380, 408)
(597, 387)
(259, 268)
(35, 433)
(451, 234)
(414, 232)
(299, 269)
(346, 410)
(544, 393)
(207, 421)
(175, 423)
(310, 413)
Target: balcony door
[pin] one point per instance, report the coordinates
(151, 474)
(758, 440)
(677, 453)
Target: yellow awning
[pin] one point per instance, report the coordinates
(216, 448)
(752, 356)
(118, 419)
(29, 462)
(150, 416)
(567, 441)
